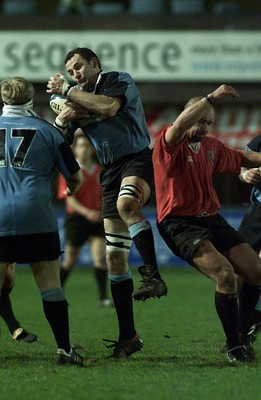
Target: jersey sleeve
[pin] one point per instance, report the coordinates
(120, 84)
(61, 187)
(227, 160)
(64, 158)
(168, 153)
(255, 144)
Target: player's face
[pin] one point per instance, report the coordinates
(82, 148)
(82, 72)
(199, 130)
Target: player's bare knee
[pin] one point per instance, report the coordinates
(116, 263)
(130, 200)
(127, 207)
(226, 278)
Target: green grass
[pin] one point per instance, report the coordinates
(180, 359)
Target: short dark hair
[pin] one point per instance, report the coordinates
(85, 53)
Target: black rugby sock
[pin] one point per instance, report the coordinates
(101, 279)
(56, 313)
(144, 241)
(227, 309)
(121, 294)
(248, 297)
(6, 310)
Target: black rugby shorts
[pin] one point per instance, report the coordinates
(139, 164)
(26, 249)
(78, 229)
(183, 235)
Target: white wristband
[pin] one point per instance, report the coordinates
(59, 123)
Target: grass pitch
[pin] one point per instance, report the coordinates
(180, 359)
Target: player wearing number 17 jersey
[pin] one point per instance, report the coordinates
(30, 150)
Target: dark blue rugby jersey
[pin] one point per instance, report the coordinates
(255, 145)
(124, 134)
(30, 149)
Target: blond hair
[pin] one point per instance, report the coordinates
(16, 90)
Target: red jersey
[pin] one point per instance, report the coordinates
(183, 177)
(89, 194)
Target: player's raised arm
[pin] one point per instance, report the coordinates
(194, 111)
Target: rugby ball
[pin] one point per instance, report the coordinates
(56, 102)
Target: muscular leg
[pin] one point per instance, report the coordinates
(246, 264)
(71, 256)
(47, 277)
(98, 250)
(255, 319)
(214, 265)
(133, 195)
(6, 310)
(120, 276)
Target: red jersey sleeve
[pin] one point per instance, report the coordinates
(227, 160)
(61, 187)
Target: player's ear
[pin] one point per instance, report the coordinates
(94, 62)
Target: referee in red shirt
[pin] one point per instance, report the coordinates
(185, 160)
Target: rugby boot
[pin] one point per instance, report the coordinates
(21, 335)
(238, 354)
(247, 342)
(71, 358)
(124, 348)
(150, 286)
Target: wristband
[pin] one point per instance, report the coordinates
(66, 91)
(209, 100)
(59, 124)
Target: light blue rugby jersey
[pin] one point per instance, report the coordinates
(255, 145)
(30, 149)
(124, 134)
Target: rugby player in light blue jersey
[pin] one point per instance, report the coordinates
(30, 150)
(250, 228)
(111, 114)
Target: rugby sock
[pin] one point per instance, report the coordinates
(248, 298)
(6, 310)
(64, 274)
(56, 311)
(227, 309)
(121, 294)
(142, 235)
(101, 279)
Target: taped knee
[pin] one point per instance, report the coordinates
(132, 192)
(56, 294)
(120, 241)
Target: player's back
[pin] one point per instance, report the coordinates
(27, 162)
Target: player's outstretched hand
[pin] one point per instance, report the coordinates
(57, 84)
(222, 91)
(252, 176)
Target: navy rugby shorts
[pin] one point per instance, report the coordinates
(183, 235)
(78, 229)
(139, 164)
(26, 249)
